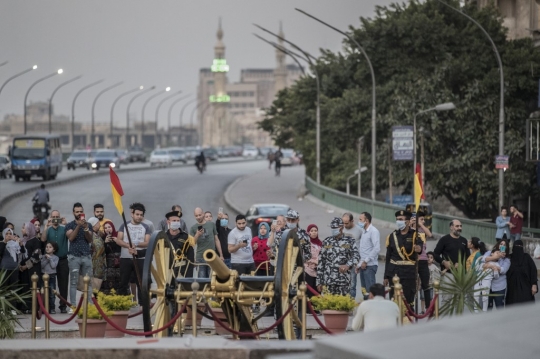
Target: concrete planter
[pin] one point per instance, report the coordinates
(335, 320)
(120, 318)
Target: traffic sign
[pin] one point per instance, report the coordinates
(402, 143)
(501, 162)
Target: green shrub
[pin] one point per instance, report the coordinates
(328, 301)
(9, 295)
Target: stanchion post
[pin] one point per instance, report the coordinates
(397, 294)
(195, 288)
(86, 281)
(34, 279)
(303, 288)
(436, 286)
(46, 290)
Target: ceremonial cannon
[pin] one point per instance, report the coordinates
(163, 279)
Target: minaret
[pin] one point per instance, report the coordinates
(280, 73)
(214, 127)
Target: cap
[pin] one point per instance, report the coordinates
(407, 214)
(336, 222)
(292, 214)
(93, 221)
(173, 214)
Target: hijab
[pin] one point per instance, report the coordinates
(12, 246)
(518, 254)
(30, 230)
(264, 224)
(315, 241)
(114, 232)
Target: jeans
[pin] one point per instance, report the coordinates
(498, 299)
(52, 288)
(203, 270)
(367, 276)
(227, 262)
(515, 237)
(62, 276)
(354, 279)
(79, 266)
(243, 268)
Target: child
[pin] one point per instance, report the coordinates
(490, 271)
(48, 265)
(434, 271)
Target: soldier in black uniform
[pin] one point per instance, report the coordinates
(402, 248)
(182, 243)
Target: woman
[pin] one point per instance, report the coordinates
(502, 264)
(31, 261)
(310, 267)
(99, 264)
(10, 255)
(111, 280)
(260, 251)
(478, 249)
(522, 277)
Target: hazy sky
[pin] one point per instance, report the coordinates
(148, 42)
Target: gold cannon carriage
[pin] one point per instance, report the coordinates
(235, 293)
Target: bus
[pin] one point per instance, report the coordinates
(35, 155)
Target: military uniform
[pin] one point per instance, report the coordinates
(183, 245)
(303, 239)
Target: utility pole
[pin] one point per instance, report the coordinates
(359, 145)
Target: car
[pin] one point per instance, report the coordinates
(80, 158)
(105, 159)
(137, 154)
(5, 167)
(123, 155)
(288, 157)
(178, 154)
(160, 158)
(264, 212)
(210, 154)
(250, 151)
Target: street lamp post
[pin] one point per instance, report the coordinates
(373, 106)
(293, 55)
(52, 96)
(128, 138)
(158, 107)
(31, 86)
(447, 106)
(357, 172)
(169, 112)
(144, 107)
(73, 110)
(17, 75)
(501, 104)
(92, 140)
(360, 144)
(181, 117)
(112, 110)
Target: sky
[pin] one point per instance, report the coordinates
(148, 42)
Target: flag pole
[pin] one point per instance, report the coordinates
(134, 256)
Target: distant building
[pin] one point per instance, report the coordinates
(228, 112)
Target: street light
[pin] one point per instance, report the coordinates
(447, 106)
(169, 112)
(59, 72)
(129, 106)
(16, 75)
(112, 110)
(157, 113)
(73, 111)
(92, 140)
(52, 96)
(4, 63)
(356, 172)
(373, 105)
(278, 47)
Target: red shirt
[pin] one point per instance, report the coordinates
(259, 254)
(517, 221)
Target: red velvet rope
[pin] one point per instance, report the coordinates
(62, 299)
(312, 311)
(248, 334)
(139, 312)
(131, 332)
(59, 322)
(312, 290)
(428, 312)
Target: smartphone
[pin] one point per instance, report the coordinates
(274, 222)
(220, 210)
(413, 215)
(245, 241)
(82, 216)
(199, 228)
(55, 220)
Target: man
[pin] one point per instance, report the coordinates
(423, 266)
(516, 223)
(370, 245)
(338, 256)
(402, 248)
(56, 232)
(41, 197)
(294, 231)
(163, 225)
(239, 245)
(277, 158)
(140, 236)
(205, 236)
(503, 225)
(350, 230)
(79, 234)
(182, 243)
(222, 226)
(208, 216)
(99, 213)
(376, 313)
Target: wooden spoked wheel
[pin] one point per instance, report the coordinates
(289, 269)
(159, 264)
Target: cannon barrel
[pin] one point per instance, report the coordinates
(219, 267)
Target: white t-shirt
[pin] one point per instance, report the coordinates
(137, 233)
(245, 254)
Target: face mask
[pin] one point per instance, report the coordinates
(175, 225)
(502, 248)
(335, 232)
(360, 225)
(291, 225)
(224, 222)
(400, 225)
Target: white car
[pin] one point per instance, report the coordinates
(250, 151)
(288, 157)
(160, 158)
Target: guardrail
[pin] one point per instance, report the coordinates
(385, 212)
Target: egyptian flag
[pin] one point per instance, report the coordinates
(117, 191)
(418, 190)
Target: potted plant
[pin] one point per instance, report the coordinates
(9, 295)
(335, 309)
(218, 312)
(95, 325)
(120, 306)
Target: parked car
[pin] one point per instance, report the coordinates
(136, 154)
(105, 159)
(160, 158)
(264, 212)
(123, 155)
(210, 154)
(288, 157)
(80, 158)
(5, 167)
(178, 154)
(250, 152)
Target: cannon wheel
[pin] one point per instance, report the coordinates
(287, 281)
(159, 263)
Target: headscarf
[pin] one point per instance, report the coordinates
(267, 230)
(30, 230)
(12, 246)
(114, 233)
(315, 241)
(2, 223)
(518, 254)
(33, 220)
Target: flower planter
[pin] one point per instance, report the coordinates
(335, 320)
(95, 328)
(218, 312)
(189, 316)
(120, 318)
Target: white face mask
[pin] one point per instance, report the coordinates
(360, 225)
(174, 226)
(335, 232)
(291, 225)
(400, 225)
